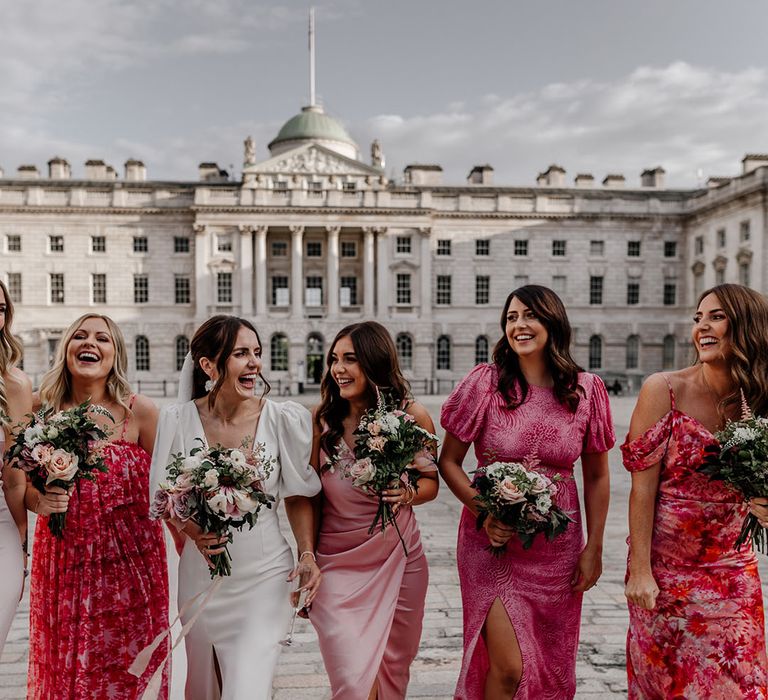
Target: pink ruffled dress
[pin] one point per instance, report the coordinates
(706, 636)
(368, 612)
(534, 585)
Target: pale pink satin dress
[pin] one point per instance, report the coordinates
(534, 585)
(369, 609)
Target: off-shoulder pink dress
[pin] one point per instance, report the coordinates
(534, 585)
(705, 638)
(368, 612)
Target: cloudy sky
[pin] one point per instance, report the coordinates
(593, 85)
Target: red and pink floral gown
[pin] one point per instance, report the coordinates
(705, 638)
(99, 595)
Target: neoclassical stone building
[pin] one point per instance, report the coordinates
(314, 238)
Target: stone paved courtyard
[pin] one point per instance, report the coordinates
(600, 668)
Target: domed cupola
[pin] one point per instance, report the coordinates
(313, 125)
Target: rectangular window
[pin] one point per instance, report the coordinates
(140, 244)
(403, 245)
(670, 249)
(14, 287)
(349, 249)
(597, 249)
(633, 293)
(281, 186)
(98, 244)
(698, 245)
(558, 248)
(720, 235)
(670, 293)
(98, 289)
(521, 248)
(223, 287)
(720, 276)
(483, 246)
(744, 232)
(315, 188)
(744, 274)
(182, 289)
(13, 243)
(280, 293)
(279, 249)
(56, 282)
(633, 249)
(559, 284)
(482, 289)
(443, 290)
(313, 291)
(596, 289)
(55, 244)
(443, 246)
(224, 243)
(181, 244)
(349, 187)
(314, 249)
(140, 289)
(348, 291)
(403, 289)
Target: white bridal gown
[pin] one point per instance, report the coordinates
(247, 617)
(11, 561)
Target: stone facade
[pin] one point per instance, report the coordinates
(312, 239)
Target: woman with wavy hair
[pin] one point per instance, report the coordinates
(233, 648)
(368, 614)
(15, 403)
(99, 594)
(695, 604)
(533, 402)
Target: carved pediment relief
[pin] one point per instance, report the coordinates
(405, 265)
(698, 268)
(743, 256)
(311, 159)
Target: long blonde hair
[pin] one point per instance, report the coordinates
(10, 348)
(56, 385)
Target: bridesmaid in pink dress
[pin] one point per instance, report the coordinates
(696, 627)
(99, 595)
(368, 612)
(522, 611)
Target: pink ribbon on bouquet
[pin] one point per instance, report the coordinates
(140, 663)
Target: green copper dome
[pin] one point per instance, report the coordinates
(312, 124)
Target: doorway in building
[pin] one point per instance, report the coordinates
(315, 359)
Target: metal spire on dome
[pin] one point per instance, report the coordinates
(312, 57)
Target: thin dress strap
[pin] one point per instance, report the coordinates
(127, 416)
(671, 393)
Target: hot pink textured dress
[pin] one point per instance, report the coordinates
(705, 638)
(534, 585)
(100, 594)
(369, 609)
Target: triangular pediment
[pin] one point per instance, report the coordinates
(311, 158)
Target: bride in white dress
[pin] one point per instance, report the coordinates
(233, 647)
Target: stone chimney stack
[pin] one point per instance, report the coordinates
(415, 174)
(753, 161)
(58, 169)
(584, 180)
(553, 176)
(653, 178)
(613, 180)
(95, 170)
(135, 171)
(28, 172)
(111, 173)
(480, 175)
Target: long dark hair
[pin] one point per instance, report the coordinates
(377, 357)
(215, 339)
(550, 311)
(747, 313)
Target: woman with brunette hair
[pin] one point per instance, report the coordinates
(15, 403)
(368, 614)
(99, 594)
(522, 610)
(695, 604)
(233, 648)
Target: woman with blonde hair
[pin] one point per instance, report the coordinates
(695, 603)
(15, 403)
(100, 594)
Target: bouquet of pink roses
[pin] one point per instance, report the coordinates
(388, 443)
(59, 448)
(520, 498)
(221, 489)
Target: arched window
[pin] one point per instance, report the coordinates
(595, 352)
(182, 348)
(633, 352)
(481, 349)
(278, 353)
(404, 345)
(443, 352)
(668, 352)
(142, 353)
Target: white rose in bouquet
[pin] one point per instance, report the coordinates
(211, 479)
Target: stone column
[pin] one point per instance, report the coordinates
(246, 270)
(382, 273)
(332, 271)
(426, 273)
(297, 272)
(369, 272)
(261, 272)
(202, 277)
